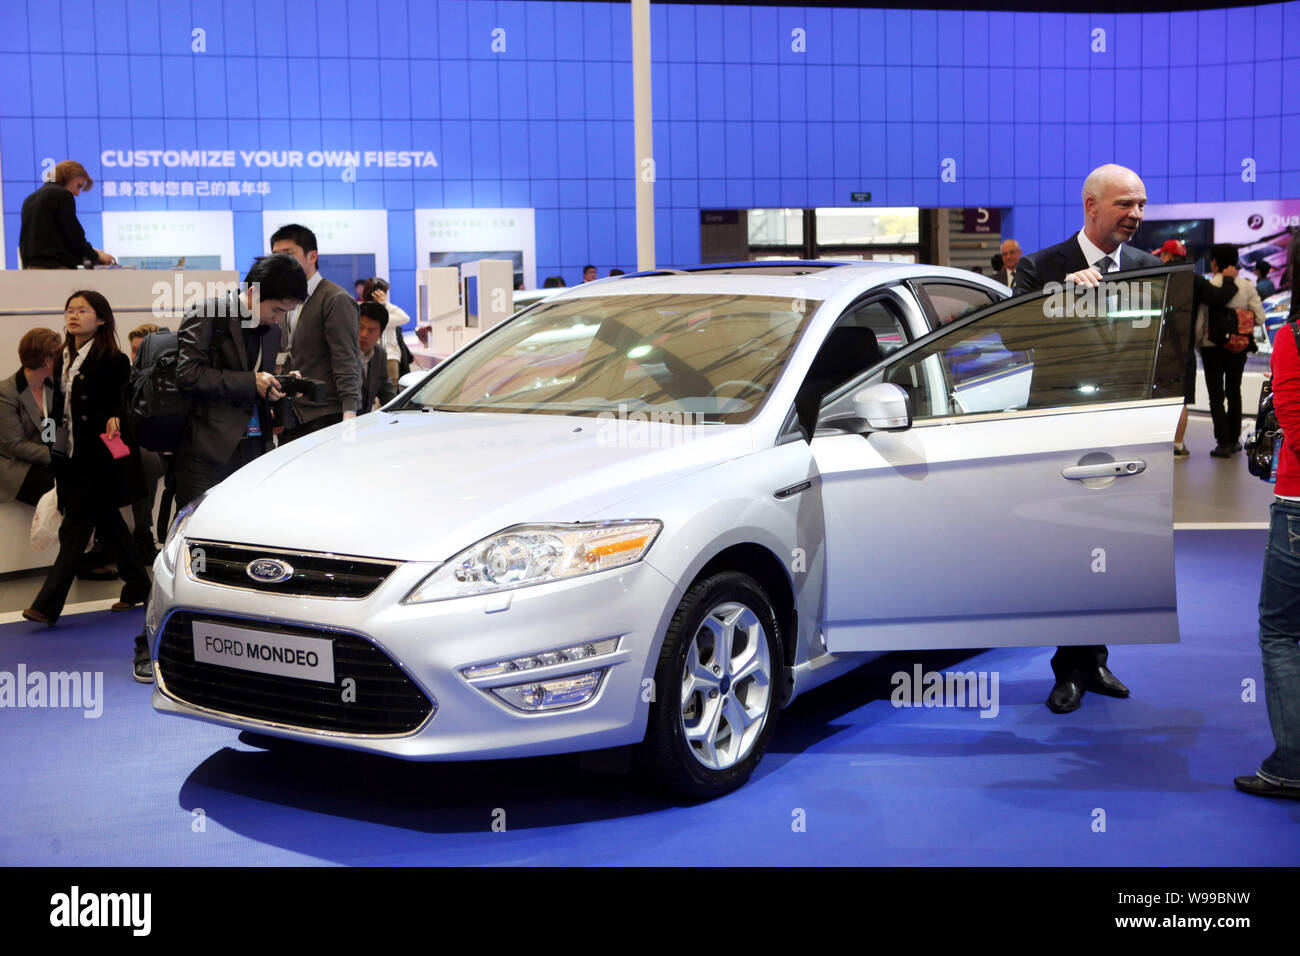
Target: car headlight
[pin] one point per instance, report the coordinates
(175, 534)
(537, 554)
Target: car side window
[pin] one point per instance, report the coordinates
(1042, 352)
(945, 302)
(862, 337)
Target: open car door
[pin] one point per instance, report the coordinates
(1026, 496)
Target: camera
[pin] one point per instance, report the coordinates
(312, 389)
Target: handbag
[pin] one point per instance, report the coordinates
(46, 522)
(1263, 444)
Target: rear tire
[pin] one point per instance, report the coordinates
(716, 688)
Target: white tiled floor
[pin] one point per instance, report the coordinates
(1216, 490)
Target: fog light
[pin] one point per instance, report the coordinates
(563, 655)
(552, 694)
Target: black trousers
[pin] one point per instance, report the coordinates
(1078, 662)
(142, 510)
(193, 476)
(315, 425)
(38, 481)
(79, 522)
(1223, 381)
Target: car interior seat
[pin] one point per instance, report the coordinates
(847, 352)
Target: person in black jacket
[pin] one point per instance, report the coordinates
(226, 363)
(92, 484)
(50, 236)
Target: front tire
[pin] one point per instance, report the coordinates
(716, 689)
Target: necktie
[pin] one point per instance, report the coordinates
(1104, 264)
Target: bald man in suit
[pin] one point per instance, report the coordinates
(1114, 200)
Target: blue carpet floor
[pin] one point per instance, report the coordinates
(849, 778)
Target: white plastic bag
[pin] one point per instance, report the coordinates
(45, 525)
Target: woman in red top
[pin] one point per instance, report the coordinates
(1279, 596)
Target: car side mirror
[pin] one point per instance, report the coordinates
(413, 377)
(884, 407)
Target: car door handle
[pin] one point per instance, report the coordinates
(1108, 469)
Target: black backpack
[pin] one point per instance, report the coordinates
(404, 356)
(1222, 324)
(157, 409)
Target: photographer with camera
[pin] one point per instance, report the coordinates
(228, 349)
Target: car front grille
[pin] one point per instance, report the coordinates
(382, 701)
(313, 574)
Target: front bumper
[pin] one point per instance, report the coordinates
(432, 642)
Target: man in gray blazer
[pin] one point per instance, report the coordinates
(322, 340)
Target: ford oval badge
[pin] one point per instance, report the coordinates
(269, 571)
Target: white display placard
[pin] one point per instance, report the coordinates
(448, 237)
(160, 239)
(341, 232)
(286, 655)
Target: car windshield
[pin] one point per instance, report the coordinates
(708, 358)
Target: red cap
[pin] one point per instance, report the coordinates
(1173, 247)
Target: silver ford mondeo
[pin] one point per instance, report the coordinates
(649, 511)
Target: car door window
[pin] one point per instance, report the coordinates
(864, 335)
(946, 302)
(1061, 349)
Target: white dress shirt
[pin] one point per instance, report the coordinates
(1093, 254)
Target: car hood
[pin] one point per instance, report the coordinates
(422, 486)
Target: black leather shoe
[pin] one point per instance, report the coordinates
(1262, 788)
(1104, 682)
(31, 614)
(1221, 451)
(1065, 697)
(141, 664)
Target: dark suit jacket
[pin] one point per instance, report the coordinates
(50, 236)
(378, 384)
(215, 370)
(1056, 262)
(20, 433)
(1001, 276)
(92, 478)
(324, 346)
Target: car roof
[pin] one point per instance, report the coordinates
(816, 279)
